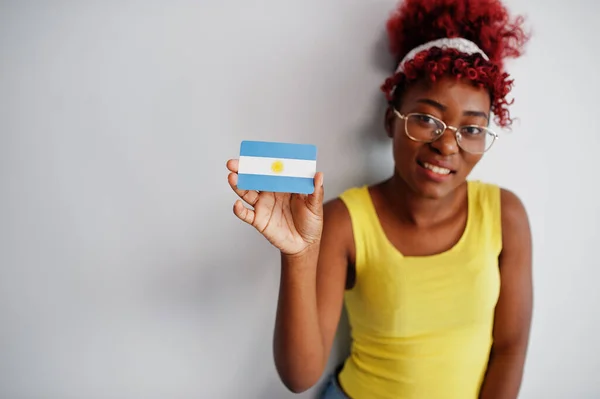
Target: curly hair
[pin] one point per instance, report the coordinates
(485, 22)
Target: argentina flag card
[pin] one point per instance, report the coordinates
(277, 167)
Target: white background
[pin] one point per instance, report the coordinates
(124, 273)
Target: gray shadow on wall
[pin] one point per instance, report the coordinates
(371, 134)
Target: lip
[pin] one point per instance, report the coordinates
(431, 175)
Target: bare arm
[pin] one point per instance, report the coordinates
(514, 308)
(310, 302)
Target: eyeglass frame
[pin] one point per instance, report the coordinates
(446, 127)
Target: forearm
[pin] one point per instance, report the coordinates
(504, 376)
(298, 344)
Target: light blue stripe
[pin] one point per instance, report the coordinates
(278, 150)
(281, 184)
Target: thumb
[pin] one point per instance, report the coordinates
(314, 201)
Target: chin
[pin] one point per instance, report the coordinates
(433, 190)
(430, 185)
(435, 185)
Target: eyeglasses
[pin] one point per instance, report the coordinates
(426, 128)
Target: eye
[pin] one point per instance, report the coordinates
(472, 130)
(426, 119)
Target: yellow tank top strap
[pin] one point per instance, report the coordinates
(487, 212)
(368, 235)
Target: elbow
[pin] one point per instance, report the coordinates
(298, 370)
(295, 388)
(297, 381)
(295, 385)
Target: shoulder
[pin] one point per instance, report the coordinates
(507, 212)
(336, 218)
(337, 225)
(516, 231)
(510, 204)
(514, 214)
(342, 208)
(335, 210)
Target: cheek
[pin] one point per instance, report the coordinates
(405, 150)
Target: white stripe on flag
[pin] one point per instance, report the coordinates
(264, 166)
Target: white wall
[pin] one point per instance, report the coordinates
(123, 272)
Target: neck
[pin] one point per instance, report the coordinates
(417, 209)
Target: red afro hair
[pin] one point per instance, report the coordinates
(485, 22)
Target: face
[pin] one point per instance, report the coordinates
(424, 166)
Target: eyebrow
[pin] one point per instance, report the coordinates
(443, 108)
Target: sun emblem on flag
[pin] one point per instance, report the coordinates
(277, 167)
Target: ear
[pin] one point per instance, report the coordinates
(390, 121)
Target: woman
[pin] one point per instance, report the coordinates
(434, 269)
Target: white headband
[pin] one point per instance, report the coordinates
(458, 43)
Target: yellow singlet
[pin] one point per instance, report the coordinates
(422, 326)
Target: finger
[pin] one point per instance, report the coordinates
(250, 196)
(315, 200)
(243, 213)
(233, 165)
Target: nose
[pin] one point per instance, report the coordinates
(446, 144)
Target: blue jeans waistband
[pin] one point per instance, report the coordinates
(332, 389)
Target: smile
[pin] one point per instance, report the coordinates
(436, 169)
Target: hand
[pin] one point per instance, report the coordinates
(291, 222)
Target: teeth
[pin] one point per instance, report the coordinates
(436, 169)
